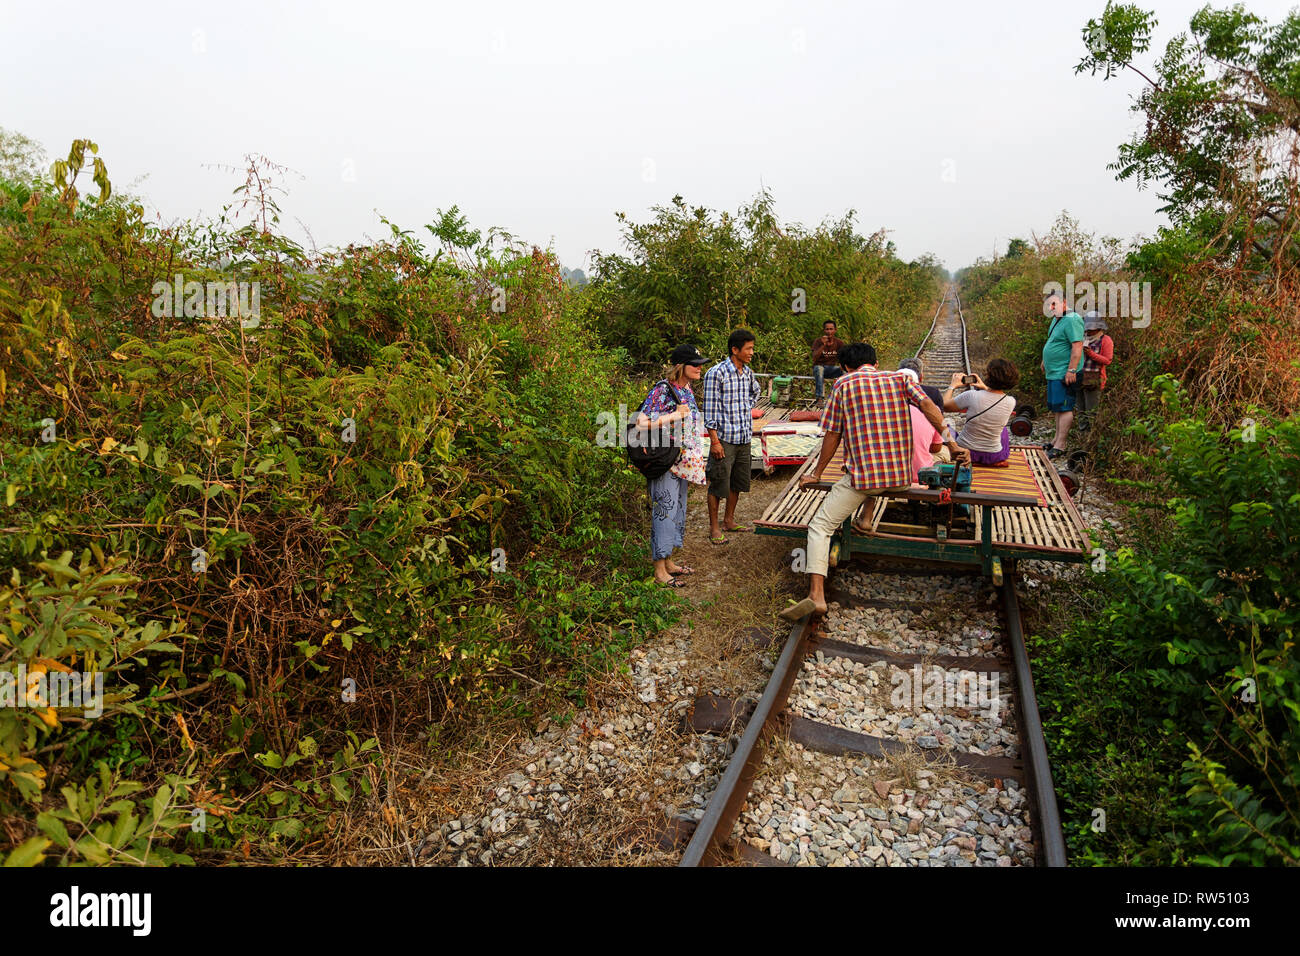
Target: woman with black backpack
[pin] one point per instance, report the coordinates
(670, 414)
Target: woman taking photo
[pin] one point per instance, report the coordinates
(671, 406)
(988, 408)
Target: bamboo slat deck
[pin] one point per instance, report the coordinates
(781, 449)
(1054, 528)
(771, 414)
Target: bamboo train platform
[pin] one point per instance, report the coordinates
(1022, 511)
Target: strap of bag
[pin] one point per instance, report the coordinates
(677, 396)
(985, 409)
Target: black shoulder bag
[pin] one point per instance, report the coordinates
(652, 451)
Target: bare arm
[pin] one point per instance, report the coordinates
(643, 421)
(948, 404)
(1076, 355)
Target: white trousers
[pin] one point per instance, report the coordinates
(842, 500)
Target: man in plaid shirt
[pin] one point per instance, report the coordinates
(868, 412)
(730, 391)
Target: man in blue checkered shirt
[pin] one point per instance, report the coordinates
(730, 391)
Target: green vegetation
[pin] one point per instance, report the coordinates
(362, 509)
(1006, 297)
(277, 538)
(1170, 699)
(693, 275)
(1175, 694)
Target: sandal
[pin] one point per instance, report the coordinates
(682, 572)
(739, 527)
(670, 583)
(720, 539)
(796, 612)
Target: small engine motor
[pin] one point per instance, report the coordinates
(939, 475)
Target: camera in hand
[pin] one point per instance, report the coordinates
(968, 379)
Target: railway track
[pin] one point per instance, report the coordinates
(947, 352)
(899, 729)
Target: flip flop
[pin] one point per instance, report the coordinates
(739, 527)
(720, 539)
(670, 583)
(797, 611)
(682, 572)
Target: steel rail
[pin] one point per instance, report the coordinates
(720, 815)
(933, 323)
(965, 352)
(1047, 819)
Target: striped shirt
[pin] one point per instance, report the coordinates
(728, 399)
(870, 411)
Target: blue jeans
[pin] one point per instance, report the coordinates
(823, 372)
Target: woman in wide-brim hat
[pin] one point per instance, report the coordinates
(675, 408)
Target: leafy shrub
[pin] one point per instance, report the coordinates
(694, 275)
(1187, 669)
(376, 508)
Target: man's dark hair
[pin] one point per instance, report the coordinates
(1001, 374)
(738, 338)
(855, 356)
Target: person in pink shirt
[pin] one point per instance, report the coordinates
(926, 439)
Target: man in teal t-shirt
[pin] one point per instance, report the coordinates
(1062, 360)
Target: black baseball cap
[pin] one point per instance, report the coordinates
(686, 355)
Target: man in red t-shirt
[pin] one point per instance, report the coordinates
(824, 357)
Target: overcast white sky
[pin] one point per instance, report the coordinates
(547, 118)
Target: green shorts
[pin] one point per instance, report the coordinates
(730, 472)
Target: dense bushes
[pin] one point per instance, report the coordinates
(692, 274)
(373, 505)
(1005, 297)
(1171, 694)
(290, 534)
(1176, 696)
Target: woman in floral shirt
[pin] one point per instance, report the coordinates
(674, 408)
